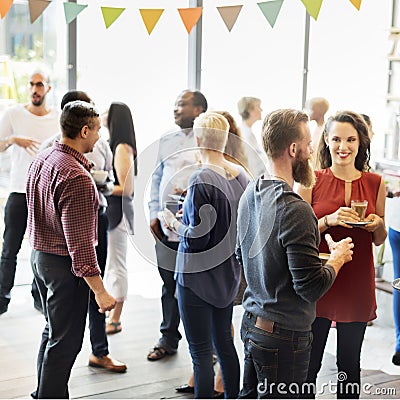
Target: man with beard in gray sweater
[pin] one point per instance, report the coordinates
(277, 244)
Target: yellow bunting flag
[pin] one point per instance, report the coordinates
(271, 9)
(36, 8)
(5, 6)
(190, 16)
(356, 4)
(229, 15)
(150, 17)
(71, 11)
(312, 7)
(110, 15)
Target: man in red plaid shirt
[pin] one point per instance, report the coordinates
(62, 225)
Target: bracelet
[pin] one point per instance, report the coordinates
(326, 222)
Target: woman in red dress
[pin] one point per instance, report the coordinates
(344, 156)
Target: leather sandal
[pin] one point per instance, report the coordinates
(157, 353)
(113, 327)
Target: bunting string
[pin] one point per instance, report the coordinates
(189, 16)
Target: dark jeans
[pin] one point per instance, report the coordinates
(350, 336)
(394, 239)
(273, 358)
(206, 325)
(65, 304)
(166, 256)
(97, 320)
(15, 219)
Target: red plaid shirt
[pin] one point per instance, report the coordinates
(62, 207)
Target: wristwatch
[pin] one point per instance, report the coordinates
(172, 223)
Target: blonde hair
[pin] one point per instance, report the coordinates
(212, 130)
(246, 104)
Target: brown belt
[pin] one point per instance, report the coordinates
(265, 324)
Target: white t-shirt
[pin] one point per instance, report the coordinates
(18, 121)
(257, 159)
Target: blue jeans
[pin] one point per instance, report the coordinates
(65, 304)
(97, 320)
(206, 325)
(170, 335)
(272, 358)
(394, 239)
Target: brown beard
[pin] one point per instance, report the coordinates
(303, 171)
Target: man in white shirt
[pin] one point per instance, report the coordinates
(24, 127)
(316, 108)
(250, 110)
(176, 162)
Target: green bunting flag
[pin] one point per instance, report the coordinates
(271, 9)
(110, 15)
(72, 10)
(312, 7)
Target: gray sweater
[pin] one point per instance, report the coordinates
(277, 244)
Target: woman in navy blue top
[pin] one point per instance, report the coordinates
(207, 271)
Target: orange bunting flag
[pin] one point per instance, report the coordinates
(150, 17)
(110, 15)
(229, 15)
(5, 6)
(190, 16)
(356, 4)
(36, 8)
(313, 7)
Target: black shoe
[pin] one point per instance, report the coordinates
(396, 358)
(185, 389)
(218, 395)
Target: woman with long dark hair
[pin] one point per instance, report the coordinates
(120, 206)
(344, 157)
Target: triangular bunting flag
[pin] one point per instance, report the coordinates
(150, 17)
(229, 15)
(190, 16)
(271, 9)
(110, 14)
(312, 7)
(356, 4)
(5, 6)
(36, 8)
(71, 11)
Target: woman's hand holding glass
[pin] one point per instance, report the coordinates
(343, 214)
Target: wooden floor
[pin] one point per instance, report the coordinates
(21, 327)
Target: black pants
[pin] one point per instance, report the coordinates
(166, 256)
(15, 219)
(97, 320)
(65, 305)
(350, 336)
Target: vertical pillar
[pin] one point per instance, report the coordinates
(194, 51)
(72, 54)
(305, 59)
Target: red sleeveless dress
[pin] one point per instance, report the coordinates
(352, 296)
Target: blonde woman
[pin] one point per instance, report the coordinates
(208, 274)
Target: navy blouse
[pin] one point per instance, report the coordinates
(206, 261)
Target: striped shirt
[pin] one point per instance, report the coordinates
(62, 207)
